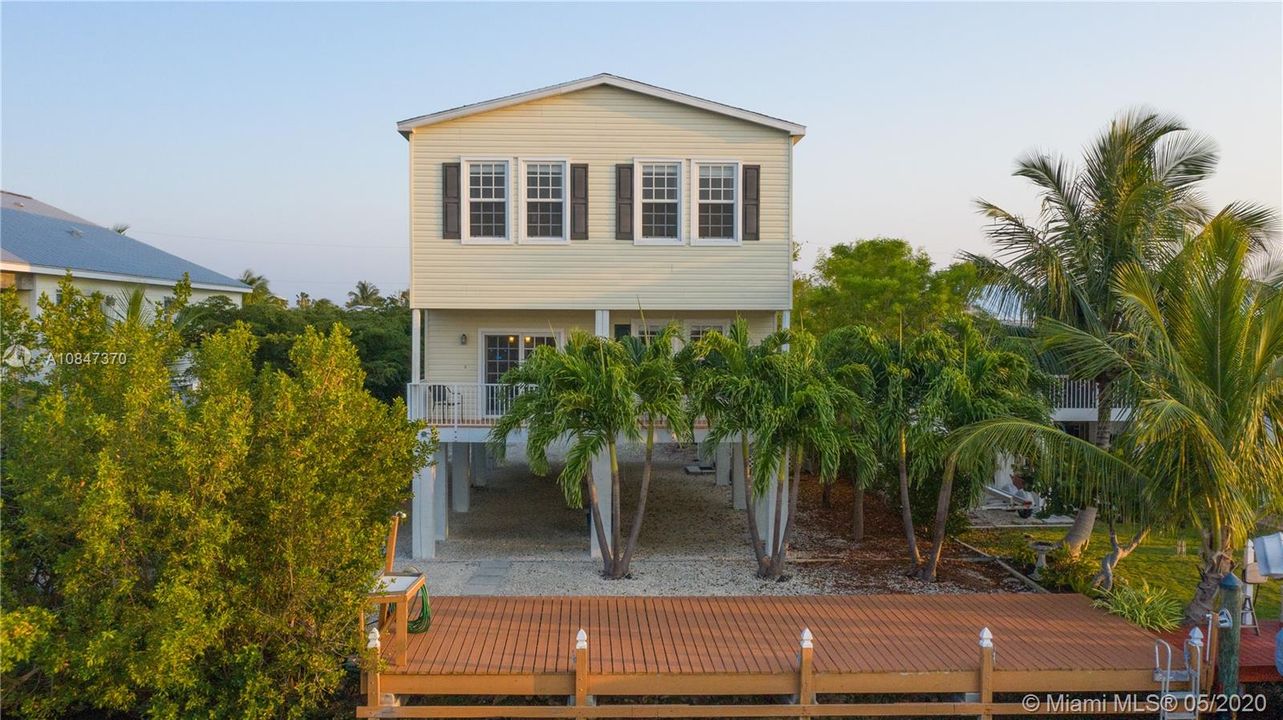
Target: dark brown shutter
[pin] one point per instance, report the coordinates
(579, 201)
(752, 201)
(624, 201)
(450, 201)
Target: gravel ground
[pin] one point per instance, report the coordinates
(519, 538)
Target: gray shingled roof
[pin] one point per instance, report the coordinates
(50, 241)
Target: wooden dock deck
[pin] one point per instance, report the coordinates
(706, 646)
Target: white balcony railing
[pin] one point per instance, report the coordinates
(458, 404)
(481, 404)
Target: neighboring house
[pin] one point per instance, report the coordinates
(40, 244)
(590, 204)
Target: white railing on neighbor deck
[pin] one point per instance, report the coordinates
(1070, 394)
(458, 404)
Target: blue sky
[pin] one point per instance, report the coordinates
(262, 135)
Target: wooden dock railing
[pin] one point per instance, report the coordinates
(804, 702)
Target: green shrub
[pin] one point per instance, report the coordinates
(1150, 608)
(1068, 573)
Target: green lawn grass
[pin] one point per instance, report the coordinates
(1154, 562)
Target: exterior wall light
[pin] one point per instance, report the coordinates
(463, 339)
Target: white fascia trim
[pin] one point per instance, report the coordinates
(405, 127)
(465, 200)
(737, 213)
(116, 277)
(681, 202)
(522, 238)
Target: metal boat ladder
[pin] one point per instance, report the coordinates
(1180, 691)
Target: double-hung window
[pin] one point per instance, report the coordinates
(717, 203)
(659, 195)
(486, 214)
(697, 329)
(545, 192)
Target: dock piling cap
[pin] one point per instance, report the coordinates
(986, 638)
(807, 638)
(1196, 637)
(581, 640)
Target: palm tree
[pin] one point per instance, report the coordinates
(366, 294)
(802, 418)
(303, 301)
(888, 376)
(841, 353)
(723, 379)
(977, 377)
(661, 398)
(1202, 352)
(584, 392)
(260, 291)
(1136, 193)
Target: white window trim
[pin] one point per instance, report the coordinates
(481, 343)
(525, 239)
(737, 213)
(465, 201)
(637, 202)
(724, 323)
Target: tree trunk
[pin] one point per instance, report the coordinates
(616, 532)
(635, 531)
(780, 560)
(594, 507)
(1079, 535)
(1215, 562)
(857, 515)
(777, 523)
(906, 512)
(826, 495)
(937, 529)
(750, 507)
(1105, 578)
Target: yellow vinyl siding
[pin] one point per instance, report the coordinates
(450, 361)
(600, 126)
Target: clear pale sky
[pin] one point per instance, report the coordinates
(262, 136)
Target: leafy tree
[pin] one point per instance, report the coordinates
(1201, 352)
(1135, 194)
(381, 334)
(882, 283)
(365, 295)
(191, 554)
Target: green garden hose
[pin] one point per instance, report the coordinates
(421, 623)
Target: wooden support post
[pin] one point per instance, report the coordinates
(373, 691)
(1227, 652)
(581, 669)
(805, 676)
(986, 671)
(402, 633)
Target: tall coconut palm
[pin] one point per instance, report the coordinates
(1135, 193)
(1202, 350)
(366, 294)
(586, 392)
(661, 398)
(723, 383)
(802, 418)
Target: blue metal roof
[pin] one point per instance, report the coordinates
(58, 243)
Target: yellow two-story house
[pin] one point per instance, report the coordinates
(604, 204)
